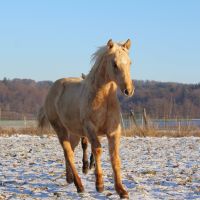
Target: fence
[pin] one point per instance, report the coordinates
(12, 115)
(136, 125)
(143, 120)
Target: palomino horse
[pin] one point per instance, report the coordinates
(89, 107)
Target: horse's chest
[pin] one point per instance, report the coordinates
(101, 109)
(99, 113)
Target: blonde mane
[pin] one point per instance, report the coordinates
(96, 60)
(97, 57)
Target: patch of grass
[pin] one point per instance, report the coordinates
(170, 132)
(25, 131)
(131, 132)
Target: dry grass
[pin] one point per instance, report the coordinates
(170, 132)
(25, 131)
(150, 129)
(134, 131)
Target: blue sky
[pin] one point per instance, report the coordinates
(47, 40)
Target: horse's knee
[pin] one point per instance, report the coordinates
(97, 151)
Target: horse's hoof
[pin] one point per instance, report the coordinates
(100, 188)
(122, 192)
(85, 170)
(70, 179)
(124, 196)
(92, 165)
(80, 189)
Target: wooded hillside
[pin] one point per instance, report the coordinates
(164, 100)
(23, 97)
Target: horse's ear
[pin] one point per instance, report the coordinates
(127, 44)
(110, 44)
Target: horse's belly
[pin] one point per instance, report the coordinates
(70, 117)
(74, 128)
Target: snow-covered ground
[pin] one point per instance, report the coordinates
(32, 167)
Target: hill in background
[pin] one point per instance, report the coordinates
(164, 100)
(23, 97)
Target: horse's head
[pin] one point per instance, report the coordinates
(118, 66)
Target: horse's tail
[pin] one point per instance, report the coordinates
(42, 119)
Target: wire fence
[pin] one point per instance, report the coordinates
(140, 124)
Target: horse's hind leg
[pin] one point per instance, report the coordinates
(65, 141)
(62, 131)
(84, 143)
(70, 158)
(69, 175)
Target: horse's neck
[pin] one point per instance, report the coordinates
(100, 82)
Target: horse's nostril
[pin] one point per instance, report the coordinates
(126, 92)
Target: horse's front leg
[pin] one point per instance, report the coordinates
(97, 152)
(113, 142)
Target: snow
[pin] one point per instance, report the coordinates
(32, 167)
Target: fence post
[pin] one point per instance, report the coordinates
(141, 132)
(25, 122)
(142, 120)
(179, 127)
(145, 118)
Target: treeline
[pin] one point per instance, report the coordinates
(21, 98)
(24, 97)
(164, 100)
